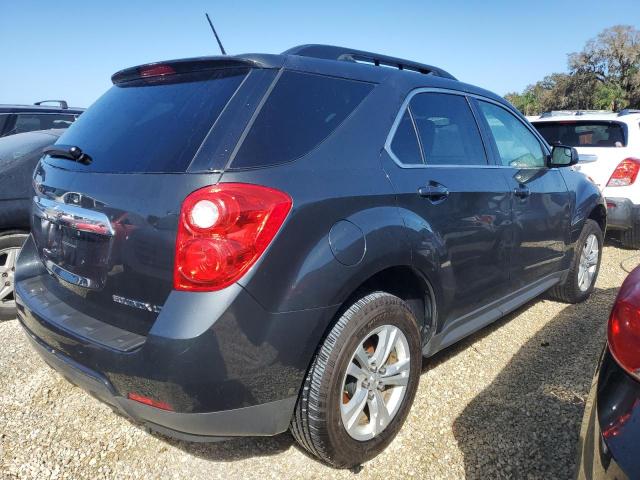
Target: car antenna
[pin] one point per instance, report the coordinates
(216, 34)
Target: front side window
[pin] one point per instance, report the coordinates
(517, 146)
(448, 132)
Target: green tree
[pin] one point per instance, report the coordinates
(605, 74)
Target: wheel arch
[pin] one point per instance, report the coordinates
(406, 283)
(599, 215)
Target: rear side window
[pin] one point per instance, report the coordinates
(147, 126)
(302, 110)
(405, 141)
(448, 131)
(583, 133)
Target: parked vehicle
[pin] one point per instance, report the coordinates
(609, 148)
(19, 155)
(237, 245)
(27, 118)
(611, 428)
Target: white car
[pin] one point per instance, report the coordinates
(609, 148)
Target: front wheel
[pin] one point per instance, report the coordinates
(361, 383)
(10, 246)
(583, 273)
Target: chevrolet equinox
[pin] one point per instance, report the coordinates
(241, 245)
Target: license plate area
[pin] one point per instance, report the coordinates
(74, 243)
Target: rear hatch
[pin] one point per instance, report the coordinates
(602, 144)
(104, 222)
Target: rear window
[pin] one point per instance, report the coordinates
(302, 110)
(150, 126)
(583, 133)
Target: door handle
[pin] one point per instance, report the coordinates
(522, 191)
(435, 193)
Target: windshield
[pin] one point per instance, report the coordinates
(150, 126)
(582, 133)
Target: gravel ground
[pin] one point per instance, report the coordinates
(506, 402)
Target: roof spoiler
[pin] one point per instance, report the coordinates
(329, 52)
(63, 104)
(187, 65)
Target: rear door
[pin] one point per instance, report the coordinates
(106, 229)
(455, 204)
(541, 201)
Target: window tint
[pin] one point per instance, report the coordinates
(149, 125)
(517, 146)
(582, 133)
(447, 129)
(405, 142)
(302, 110)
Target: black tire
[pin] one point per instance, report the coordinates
(12, 240)
(569, 291)
(631, 238)
(317, 423)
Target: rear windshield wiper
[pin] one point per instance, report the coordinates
(69, 152)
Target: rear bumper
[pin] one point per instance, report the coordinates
(225, 365)
(265, 419)
(622, 214)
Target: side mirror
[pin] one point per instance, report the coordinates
(563, 156)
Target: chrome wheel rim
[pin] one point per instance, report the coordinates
(375, 382)
(8, 258)
(588, 263)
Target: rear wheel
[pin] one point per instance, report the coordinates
(585, 266)
(631, 238)
(361, 383)
(10, 246)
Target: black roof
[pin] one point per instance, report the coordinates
(330, 60)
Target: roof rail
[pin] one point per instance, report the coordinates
(64, 105)
(628, 111)
(577, 113)
(329, 52)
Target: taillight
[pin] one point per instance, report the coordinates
(222, 231)
(625, 173)
(624, 325)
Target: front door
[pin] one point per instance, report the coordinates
(540, 199)
(456, 206)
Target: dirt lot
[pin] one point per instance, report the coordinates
(507, 402)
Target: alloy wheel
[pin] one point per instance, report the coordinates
(375, 382)
(8, 258)
(588, 263)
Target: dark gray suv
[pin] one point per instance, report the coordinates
(240, 245)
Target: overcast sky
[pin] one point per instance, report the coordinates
(68, 49)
